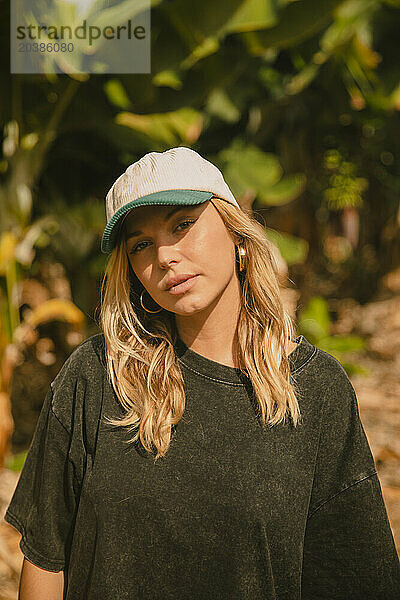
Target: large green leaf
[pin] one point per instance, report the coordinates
(170, 128)
(252, 15)
(302, 79)
(116, 15)
(286, 190)
(298, 21)
(248, 169)
(203, 25)
(116, 93)
(293, 249)
(64, 13)
(314, 320)
(220, 105)
(196, 21)
(208, 46)
(168, 78)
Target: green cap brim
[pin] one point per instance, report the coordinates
(184, 197)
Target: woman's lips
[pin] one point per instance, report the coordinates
(184, 286)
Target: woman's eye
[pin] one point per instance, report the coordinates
(136, 248)
(184, 224)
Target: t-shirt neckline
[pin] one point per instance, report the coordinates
(218, 371)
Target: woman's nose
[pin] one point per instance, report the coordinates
(166, 254)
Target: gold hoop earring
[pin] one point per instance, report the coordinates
(242, 255)
(146, 309)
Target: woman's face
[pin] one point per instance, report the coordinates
(181, 240)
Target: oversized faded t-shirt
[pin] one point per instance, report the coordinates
(234, 511)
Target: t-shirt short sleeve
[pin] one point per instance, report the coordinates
(43, 505)
(349, 550)
(344, 455)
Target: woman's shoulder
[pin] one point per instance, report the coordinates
(315, 362)
(323, 382)
(80, 381)
(86, 359)
(93, 346)
(317, 366)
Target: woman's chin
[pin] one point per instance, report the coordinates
(188, 306)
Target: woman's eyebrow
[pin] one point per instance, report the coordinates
(167, 216)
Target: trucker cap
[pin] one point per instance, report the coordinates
(177, 176)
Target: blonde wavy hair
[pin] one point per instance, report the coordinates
(141, 361)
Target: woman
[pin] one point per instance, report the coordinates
(195, 449)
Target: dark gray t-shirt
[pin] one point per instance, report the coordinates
(232, 512)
